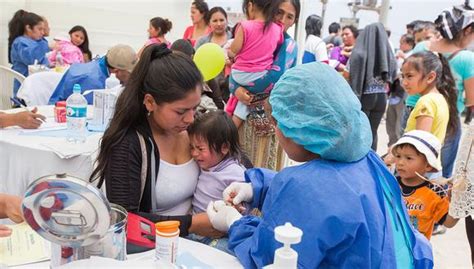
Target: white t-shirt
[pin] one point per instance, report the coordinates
(315, 50)
(175, 187)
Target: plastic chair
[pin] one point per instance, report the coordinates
(7, 78)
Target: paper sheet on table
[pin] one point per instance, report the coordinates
(66, 150)
(49, 125)
(23, 246)
(100, 262)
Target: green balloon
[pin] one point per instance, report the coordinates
(210, 60)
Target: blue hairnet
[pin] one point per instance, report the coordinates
(316, 108)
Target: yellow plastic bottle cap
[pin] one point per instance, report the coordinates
(169, 226)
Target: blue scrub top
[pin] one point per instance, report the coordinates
(24, 52)
(342, 211)
(90, 76)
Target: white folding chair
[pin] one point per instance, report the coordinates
(7, 78)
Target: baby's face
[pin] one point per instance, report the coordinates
(205, 156)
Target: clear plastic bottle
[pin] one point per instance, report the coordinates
(59, 62)
(76, 116)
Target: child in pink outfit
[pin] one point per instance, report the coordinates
(253, 49)
(70, 53)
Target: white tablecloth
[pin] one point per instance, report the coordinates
(190, 254)
(25, 157)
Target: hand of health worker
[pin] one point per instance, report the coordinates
(221, 215)
(29, 119)
(238, 192)
(5, 231)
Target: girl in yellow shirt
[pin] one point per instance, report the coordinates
(429, 75)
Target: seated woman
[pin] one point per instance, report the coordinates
(344, 199)
(145, 156)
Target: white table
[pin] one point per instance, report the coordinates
(24, 157)
(207, 257)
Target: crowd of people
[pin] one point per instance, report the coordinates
(216, 168)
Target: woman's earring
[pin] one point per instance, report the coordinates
(149, 113)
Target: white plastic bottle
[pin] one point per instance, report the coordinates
(76, 116)
(286, 257)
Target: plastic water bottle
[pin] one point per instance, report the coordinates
(76, 116)
(59, 62)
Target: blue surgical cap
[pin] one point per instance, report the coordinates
(315, 107)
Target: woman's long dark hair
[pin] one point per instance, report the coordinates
(16, 26)
(167, 76)
(427, 61)
(85, 45)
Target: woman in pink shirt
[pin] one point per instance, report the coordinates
(156, 32)
(253, 48)
(199, 10)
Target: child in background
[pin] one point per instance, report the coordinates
(70, 48)
(417, 153)
(215, 147)
(429, 74)
(156, 33)
(253, 49)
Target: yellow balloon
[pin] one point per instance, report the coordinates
(210, 60)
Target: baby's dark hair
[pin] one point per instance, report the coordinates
(269, 8)
(217, 128)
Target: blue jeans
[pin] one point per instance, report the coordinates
(220, 244)
(450, 150)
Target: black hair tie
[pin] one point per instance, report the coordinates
(159, 51)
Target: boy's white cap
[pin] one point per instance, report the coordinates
(426, 143)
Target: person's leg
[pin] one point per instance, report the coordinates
(391, 125)
(449, 151)
(240, 114)
(470, 236)
(399, 112)
(367, 103)
(375, 104)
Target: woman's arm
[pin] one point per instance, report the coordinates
(28, 53)
(123, 173)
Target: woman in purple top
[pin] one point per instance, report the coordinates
(342, 54)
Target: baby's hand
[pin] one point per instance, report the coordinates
(230, 201)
